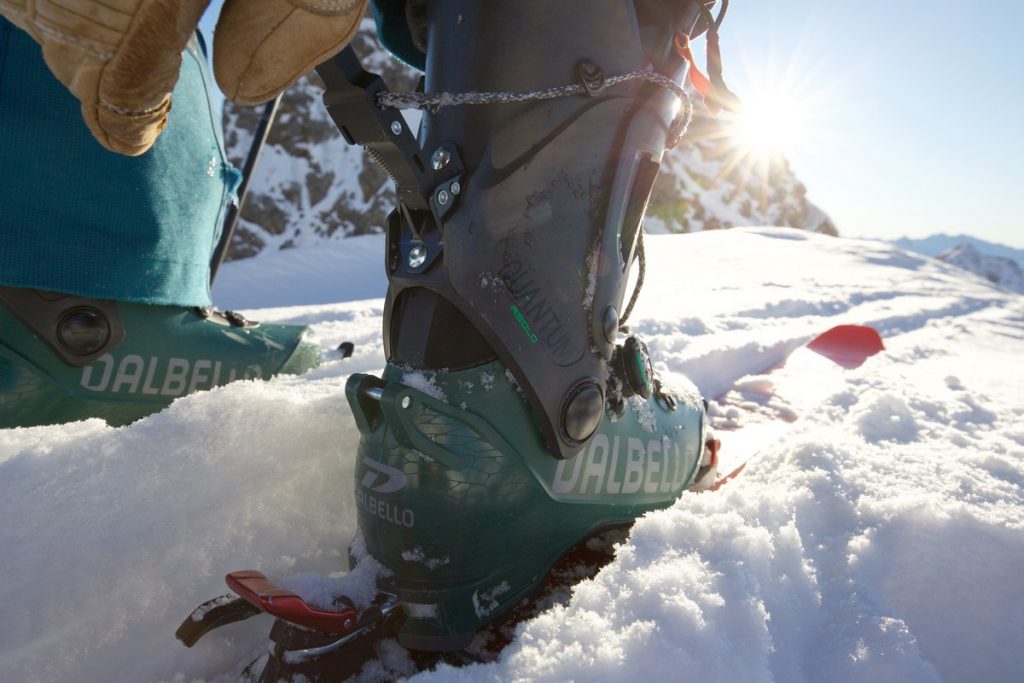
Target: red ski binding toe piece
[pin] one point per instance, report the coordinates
(261, 592)
(847, 345)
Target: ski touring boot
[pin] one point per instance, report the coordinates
(66, 358)
(515, 417)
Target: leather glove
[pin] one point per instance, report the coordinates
(261, 47)
(121, 58)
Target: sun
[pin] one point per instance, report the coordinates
(782, 118)
(774, 121)
(767, 126)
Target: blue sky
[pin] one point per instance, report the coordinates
(913, 109)
(918, 123)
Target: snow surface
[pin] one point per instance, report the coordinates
(882, 539)
(331, 270)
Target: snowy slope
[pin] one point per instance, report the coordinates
(707, 183)
(882, 540)
(1001, 265)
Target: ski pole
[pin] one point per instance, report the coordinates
(234, 212)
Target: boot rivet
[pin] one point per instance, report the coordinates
(406, 402)
(83, 331)
(592, 76)
(582, 412)
(440, 158)
(442, 197)
(456, 188)
(610, 324)
(417, 256)
(396, 127)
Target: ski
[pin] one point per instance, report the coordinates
(795, 386)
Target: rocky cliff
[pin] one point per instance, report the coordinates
(311, 185)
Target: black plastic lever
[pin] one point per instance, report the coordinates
(351, 100)
(212, 614)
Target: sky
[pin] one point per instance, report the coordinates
(910, 113)
(914, 110)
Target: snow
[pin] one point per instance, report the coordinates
(344, 270)
(881, 538)
(425, 382)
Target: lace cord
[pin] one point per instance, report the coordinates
(434, 102)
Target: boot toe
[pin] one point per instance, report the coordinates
(304, 357)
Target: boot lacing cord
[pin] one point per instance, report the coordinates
(433, 102)
(623, 327)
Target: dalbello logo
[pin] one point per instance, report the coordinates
(394, 478)
(623, 466)
(159, 376)
(381, 478)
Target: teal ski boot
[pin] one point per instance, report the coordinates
(66, 358)
(515, 418)
(461, 500)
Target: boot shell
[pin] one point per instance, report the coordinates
(459, 498)
(167, 352)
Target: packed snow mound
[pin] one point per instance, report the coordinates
(882, 539)
(999, 270)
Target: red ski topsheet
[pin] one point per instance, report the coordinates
(848, 345)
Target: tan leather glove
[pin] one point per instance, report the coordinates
(121, 58)
(260, 47)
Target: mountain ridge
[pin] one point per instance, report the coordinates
(311, 185)
(937, 244)
(1001, 271)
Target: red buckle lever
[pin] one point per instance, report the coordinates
(260, 592)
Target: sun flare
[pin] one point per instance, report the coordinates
(767, 126)
(783, 118)
(774, 121)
